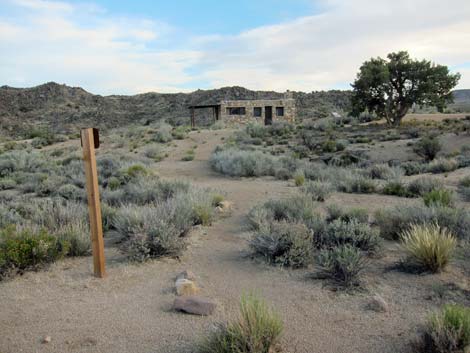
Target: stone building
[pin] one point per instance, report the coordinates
(263, 111)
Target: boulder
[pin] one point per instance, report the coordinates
(186, 274)
(226, 205)
(195, 305)
(186, 287)
(377, 303)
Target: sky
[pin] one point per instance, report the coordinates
(129, 47)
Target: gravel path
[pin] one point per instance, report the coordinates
(130, 310)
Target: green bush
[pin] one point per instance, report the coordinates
(257, 330)
(299, 178)
(439, 197)
(447, 331)
(347, 214)
(27, 250)
(428, 147)
(343, 265)
(396, 188)
(285, 244)
(429, 247)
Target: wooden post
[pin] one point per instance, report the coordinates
(94, 209)
(193, 118)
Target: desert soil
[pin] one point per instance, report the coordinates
(130, 310)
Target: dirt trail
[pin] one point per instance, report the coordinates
(130, 310)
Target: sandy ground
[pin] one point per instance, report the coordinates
(130, 310)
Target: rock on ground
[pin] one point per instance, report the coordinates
(195, 305)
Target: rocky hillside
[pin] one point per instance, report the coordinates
(461, 100)
(64, 109)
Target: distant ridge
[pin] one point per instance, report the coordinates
(63, 108)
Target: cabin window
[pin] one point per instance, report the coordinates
(280, 111)
(236, 111)
(257, 111)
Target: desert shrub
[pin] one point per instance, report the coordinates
(318, 190)
(442, 165)
(189, 156)
(156, 228)
(299, 178)
(77, 236)
(217, 199)
(257, 330)
(439, 197)
(342, 264)
(9, 215)
(423, 185)
(256, 130)
(347, 214)
(285, 244)
(180, 132)
(295, 209)
(465, 182)
(235, 162)
(354, 233)
(385, 172)
(22, 250)
(447, 331)
(464, 188)
(413, 167)
(154, 152)
(218, 125)
(7, 184)
(282, 173)
(71, 192)
(396, 188)
(66, 220)
(428, 246)
(393, 222)
(329, 146)
(427, 147)
(163, 133)
(355, 183)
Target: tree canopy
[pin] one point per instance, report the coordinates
(389, 88)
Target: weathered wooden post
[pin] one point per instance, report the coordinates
(90, 141)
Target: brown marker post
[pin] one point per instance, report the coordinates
(90, 140)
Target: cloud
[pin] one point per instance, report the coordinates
(325, 50)
(82, 44)
(50, 41)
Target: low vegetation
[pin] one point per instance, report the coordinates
(257, 330)
(428, 247)
(447, 331)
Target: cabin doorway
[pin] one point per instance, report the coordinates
(268, 115)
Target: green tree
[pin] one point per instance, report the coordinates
(391, 87)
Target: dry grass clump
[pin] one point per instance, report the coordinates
(429, 247)
(257, 330)
(447, 331)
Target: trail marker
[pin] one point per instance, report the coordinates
(90, 141)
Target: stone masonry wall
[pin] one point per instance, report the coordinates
(249, 105)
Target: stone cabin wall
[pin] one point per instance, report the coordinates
(249, 105)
